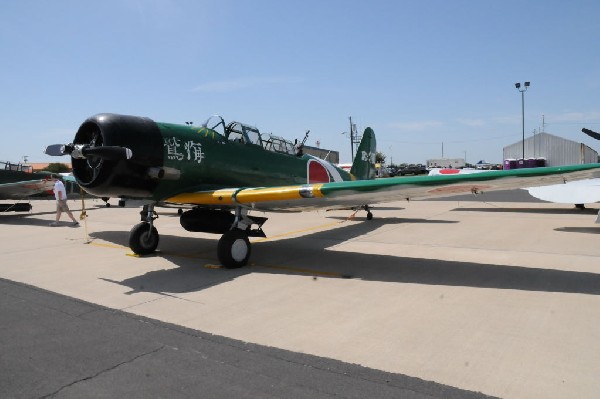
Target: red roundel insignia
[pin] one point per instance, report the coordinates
(317, 173)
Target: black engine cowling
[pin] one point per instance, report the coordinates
(105, 177)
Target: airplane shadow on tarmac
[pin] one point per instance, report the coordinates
(40, 218)
(309, 255)
(548, 211)
(587, 230)
(543, 211)
(30, 218)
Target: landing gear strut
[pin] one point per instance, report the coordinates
(143, 237)
(369, 214)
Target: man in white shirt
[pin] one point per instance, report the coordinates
(61, 203)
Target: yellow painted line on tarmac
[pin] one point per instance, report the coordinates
(156, 253)
(116, 246)
(302, 270)
(163, 254)
(291, 233)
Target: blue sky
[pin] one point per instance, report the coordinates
(420, 73)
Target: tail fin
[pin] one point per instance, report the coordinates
(363, 167)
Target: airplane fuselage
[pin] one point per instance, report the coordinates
(170, 158)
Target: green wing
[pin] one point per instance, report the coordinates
(22, 189)
(360, 192)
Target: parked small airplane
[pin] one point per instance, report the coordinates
(18, 182)
(225, 171)
(580, 192)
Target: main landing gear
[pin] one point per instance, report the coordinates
(143, 237)
(233, 249)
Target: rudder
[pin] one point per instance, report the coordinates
(363, 167)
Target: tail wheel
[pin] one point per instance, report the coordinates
(234, 249)
(143, 239)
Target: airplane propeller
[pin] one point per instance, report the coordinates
(85, 151)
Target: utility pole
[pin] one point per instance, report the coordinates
(351, 140)
(543, 124)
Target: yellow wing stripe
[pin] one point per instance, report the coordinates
(248, 195)
(218, 197)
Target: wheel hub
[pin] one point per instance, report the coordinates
(239, 250)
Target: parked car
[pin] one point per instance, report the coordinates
(412, 169)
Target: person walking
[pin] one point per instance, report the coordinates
(60, 193)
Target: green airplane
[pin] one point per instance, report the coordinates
(19, 182)
(226, 171)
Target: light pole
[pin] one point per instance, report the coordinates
(523, 90)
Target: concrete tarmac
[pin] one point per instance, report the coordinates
(465, 295)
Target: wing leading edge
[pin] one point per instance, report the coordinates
(359, 192)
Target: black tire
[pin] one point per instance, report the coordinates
(369, 216)
(142, 239)
(234, 249)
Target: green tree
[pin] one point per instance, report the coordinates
(57, 168)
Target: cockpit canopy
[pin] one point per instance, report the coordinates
(246, 134)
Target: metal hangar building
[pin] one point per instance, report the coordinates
(556, 151)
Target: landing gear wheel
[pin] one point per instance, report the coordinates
(143, 240)
(233, 249)
(369, 216)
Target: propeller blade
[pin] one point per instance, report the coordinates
(57, 150)
(80, 151)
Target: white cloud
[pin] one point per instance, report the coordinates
(575, 116)
(471, 122)
(417, 125)
(506, 120)
(223, 86)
